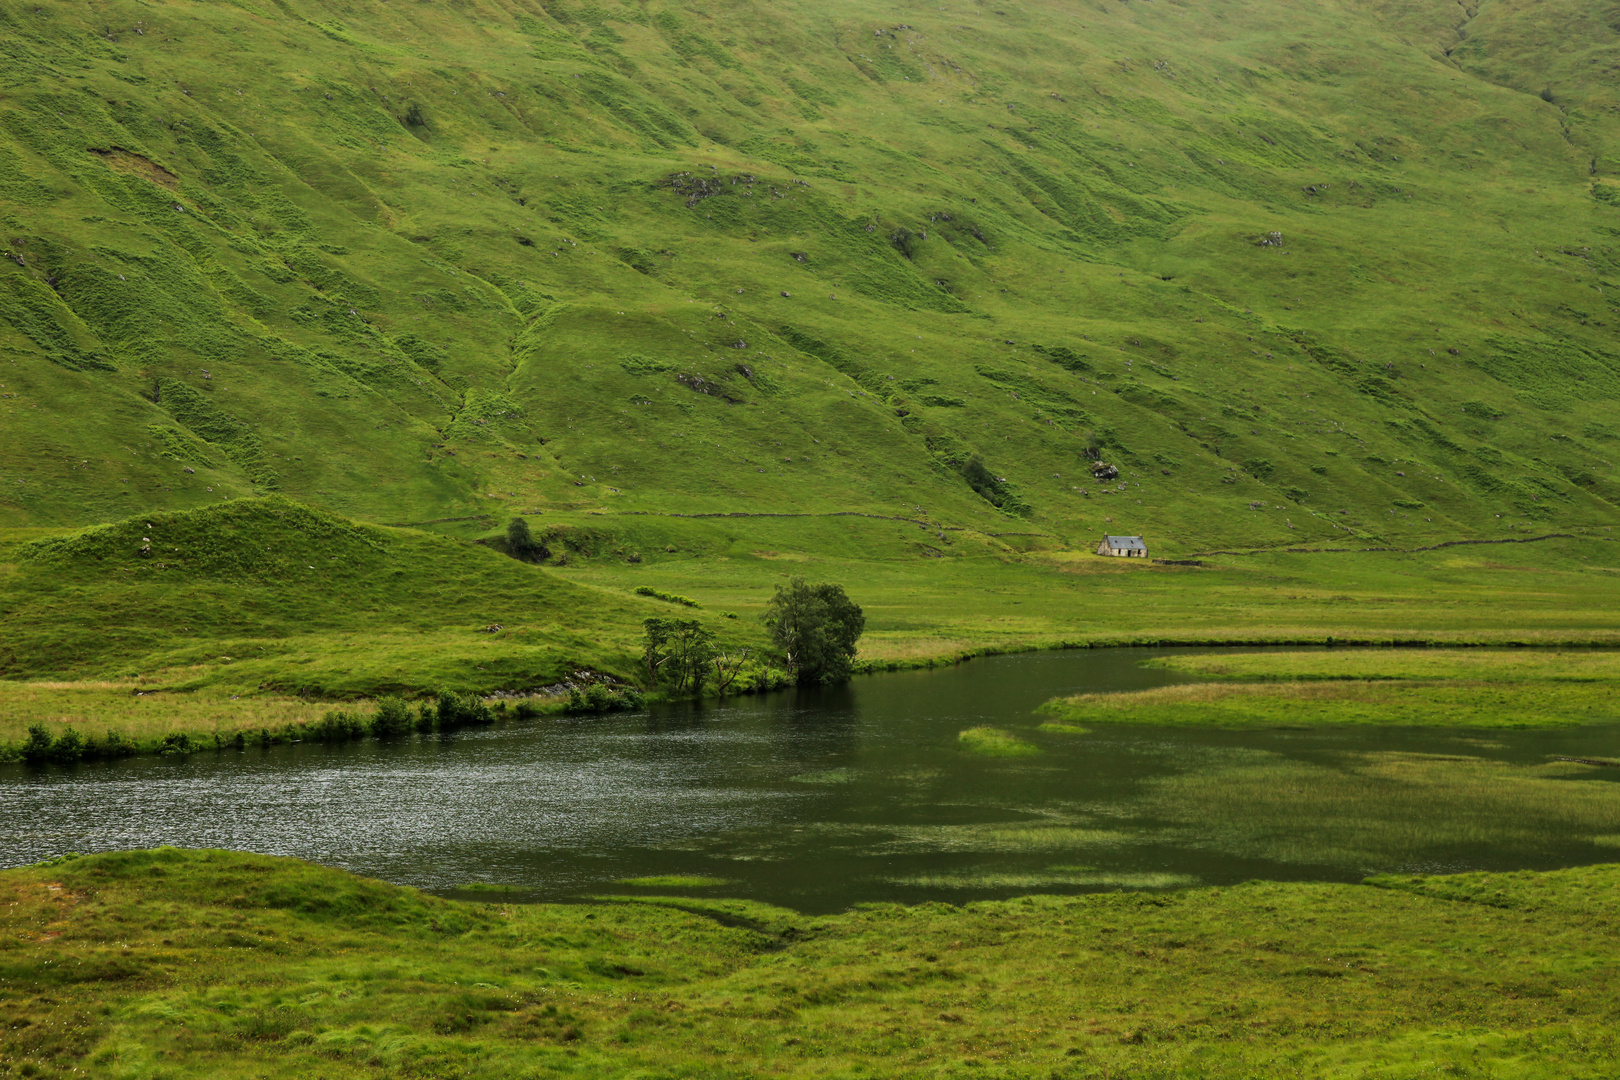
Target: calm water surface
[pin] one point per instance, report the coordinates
(817, 799)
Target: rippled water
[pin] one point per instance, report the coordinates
(817, 799)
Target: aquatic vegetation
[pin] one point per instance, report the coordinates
(824, 776)
(1378, 811)
(1062, 729)
(1053, 877)
(674, 881)
(1055, 834)
(994, 742)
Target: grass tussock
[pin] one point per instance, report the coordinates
(994, 742)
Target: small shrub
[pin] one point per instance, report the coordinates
(36, 749)
(1483, 410)
(117, 744)
(392, 718)
(670, 598)
(983, 481)
(455, 710)
(175, 743)
(1259, 468)
(336, 726)
(639, 365)
(521, 544)
(597, 699)
(68, 747)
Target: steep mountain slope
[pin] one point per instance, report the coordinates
(1300, 271)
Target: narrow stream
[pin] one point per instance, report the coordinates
(818, 799)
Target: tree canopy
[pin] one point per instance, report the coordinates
(816, 628)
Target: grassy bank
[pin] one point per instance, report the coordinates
(61, 723)
(1487, 688)
(213, 964)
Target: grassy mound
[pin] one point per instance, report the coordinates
(268, 595)
(222, 964)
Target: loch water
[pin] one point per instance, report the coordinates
(817, 799)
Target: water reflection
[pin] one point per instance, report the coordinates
(818, 798)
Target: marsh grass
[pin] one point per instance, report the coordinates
(228, 966)
(825, 776)
(994, 742)
(1381, 811)
(1007, 837)
(1411, 703)
(674, 881)
(1469, 665)
(1054, 877)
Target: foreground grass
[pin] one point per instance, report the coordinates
(1428, 688)
(215, 964)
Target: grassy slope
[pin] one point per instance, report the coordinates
(1441, 688)
(268, 595)
(391, 259)
(220, 964)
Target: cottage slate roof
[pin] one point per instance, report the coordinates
(1128, 543)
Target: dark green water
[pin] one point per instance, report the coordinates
(823, 798)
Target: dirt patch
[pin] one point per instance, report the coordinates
(130, 162)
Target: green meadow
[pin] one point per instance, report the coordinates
(216, 964)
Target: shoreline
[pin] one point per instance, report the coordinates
(340, 723)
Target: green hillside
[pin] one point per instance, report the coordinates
(406, 262)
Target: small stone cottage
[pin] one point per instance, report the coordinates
(1130, 547)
